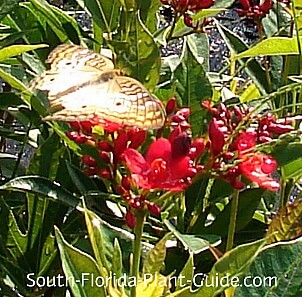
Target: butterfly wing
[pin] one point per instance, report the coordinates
(70, 66)
(119, 99)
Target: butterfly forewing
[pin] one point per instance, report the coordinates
(84, 84)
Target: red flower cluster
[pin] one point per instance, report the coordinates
(227, 144)
(168, 163)
(184, 7)
(111, 152)
(254, 9)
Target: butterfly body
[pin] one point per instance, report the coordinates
(83, 84)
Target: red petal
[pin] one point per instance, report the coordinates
(245, 4)
(159, 149)
(216, 136)
(180, 168)
(136, 162)
(120, 144)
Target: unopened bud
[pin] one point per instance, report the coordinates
(105, 146)
(104, 173)
(126, 183)
(154, 208)
(130, 219)
(89, 161)
(171, 106)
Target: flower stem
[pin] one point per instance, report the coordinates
(138, 232)
(233, 218)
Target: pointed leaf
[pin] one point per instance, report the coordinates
(151, 286)
(96, 238)
(42, 186)
(193, 243)
(155, 258)
(273, 46)
(139, 53)
(287, 224)
(15, 50)
(77, 267)
(233, 264)
(186, 274)
(280, 268)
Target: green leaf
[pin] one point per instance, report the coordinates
(155, 258)
(186, 274)
(192, 86)
(27, 96)
(232, 265)
(287, 224)
(15, 50)
(45, 14)
(289, 157)
(12, 236)
(281, 266)
(71, 27)
(9, 100)
(137, 51)
(96, 238)
(20, 254)
(42, 186)
(78, 266)
(287, 153)
(7, 6)
(292, 170)
(80, 179)
(273, 46)
(46, 159)
(248, 202)
(253, 68)
(104, 13)
(117, 259)
(192, 243)
(199, 46)
(149, 10)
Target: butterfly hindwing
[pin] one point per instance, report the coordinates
(84, 84)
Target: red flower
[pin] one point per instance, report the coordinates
(217, 133)
(167, 164)
(254, 9)
(258, 168)
(255, 166)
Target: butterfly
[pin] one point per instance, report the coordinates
(82, 84)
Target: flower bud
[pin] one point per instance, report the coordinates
(135, 203)
(90, 171)
(105, 146)
(105, 156)
(171, 106)
(126, 183)
(237, 184)
(185, 112)
(87, 126)
(279, 128)
(130, 219)
(137, 139)
(228, 155)
(89, 161)
(153, 208)
(104, 173)
(121, 190)
(72, 135)
(197, 148)
(269, 165)
(75, 125)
